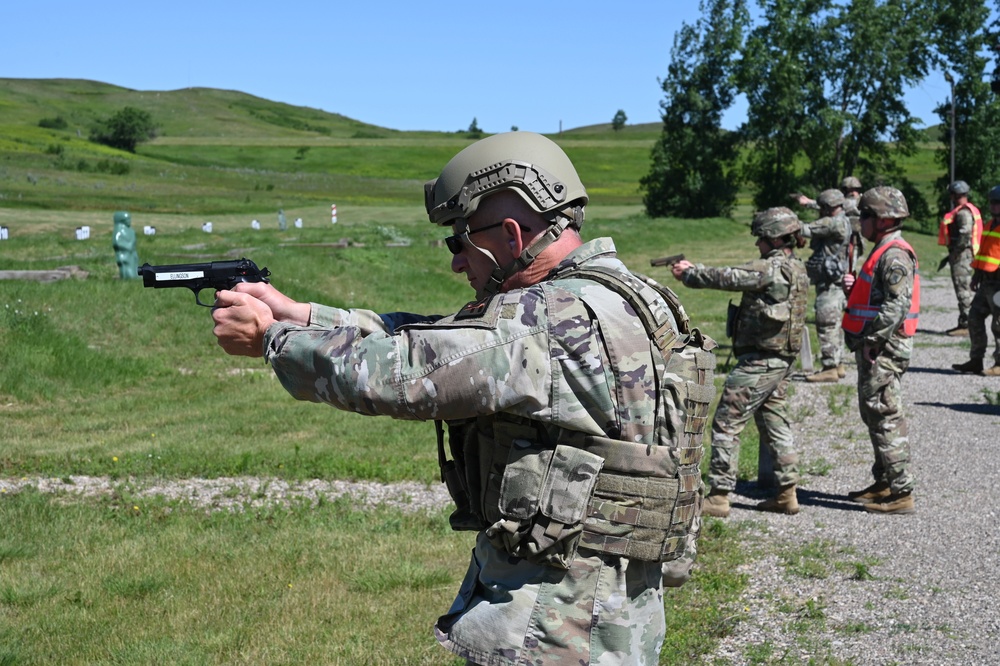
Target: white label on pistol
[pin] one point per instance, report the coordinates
(160, 277)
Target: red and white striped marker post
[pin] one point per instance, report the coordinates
(333, 213)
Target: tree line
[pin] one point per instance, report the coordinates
(824, 83)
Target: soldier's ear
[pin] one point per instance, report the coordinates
(514, 238)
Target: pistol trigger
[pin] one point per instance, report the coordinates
(197, 294)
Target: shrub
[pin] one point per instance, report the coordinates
(113, 167)
(125, 129)
(57, 123)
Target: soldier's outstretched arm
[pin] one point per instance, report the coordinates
(753, 276)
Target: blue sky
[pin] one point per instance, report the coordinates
(405, 65)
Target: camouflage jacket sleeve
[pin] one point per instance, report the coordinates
(365, 320)
(960, 234)
(892, 289)
(512, 357)
(829, 228)
(751, 276)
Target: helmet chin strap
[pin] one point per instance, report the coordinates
(528, 255)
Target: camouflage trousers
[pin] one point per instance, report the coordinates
(757, 387)
(830, 303)
(982, 308)
(880, 401)
(961, 279)
(604, 610)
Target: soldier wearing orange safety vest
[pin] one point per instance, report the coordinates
(986, 284)
(882, 307)
(961, 230)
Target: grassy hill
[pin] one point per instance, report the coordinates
(222, 151)
(190, 112)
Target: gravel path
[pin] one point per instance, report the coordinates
(838, 585)
(832, 585)
(241, 493)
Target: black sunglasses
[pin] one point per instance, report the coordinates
(455, 244)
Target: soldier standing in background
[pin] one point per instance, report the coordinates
(882, 308)
(830, 241)
(961, 230)
(986, 285)
(766, 340)
(850, 187)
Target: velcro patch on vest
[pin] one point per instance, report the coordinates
(474, 309)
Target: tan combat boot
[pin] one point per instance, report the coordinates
(841, 371)
(784, 502)
(958, 332)
(716, 504)
(992, 372)
(901, 504)
(873, 493)
(825, 375)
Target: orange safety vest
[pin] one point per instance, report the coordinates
(988, 257)
(859, 308)
(977, 226)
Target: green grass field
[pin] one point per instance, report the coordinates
(101, 377)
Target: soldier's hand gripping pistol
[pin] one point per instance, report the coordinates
(214, 275)
(666, 261)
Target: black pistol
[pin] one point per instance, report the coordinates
(214, 275)
(666, 261)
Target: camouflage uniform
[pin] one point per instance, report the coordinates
(829, 241)
(765, 348)
(984, 306)
(854, 216)
(532, 361)
(880, 398)
(960, 261)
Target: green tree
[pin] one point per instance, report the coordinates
(963, 40)
(778, 75)
(474, 131)
(124, 129)
(885, 50)
(692, 164)
(619, 120)
(824, 83)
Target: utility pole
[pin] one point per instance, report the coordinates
(951, 133)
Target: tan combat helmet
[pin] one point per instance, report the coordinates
(775, 223)
(529, 164)
(830, 199)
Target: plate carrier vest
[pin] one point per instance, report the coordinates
(540, 491)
